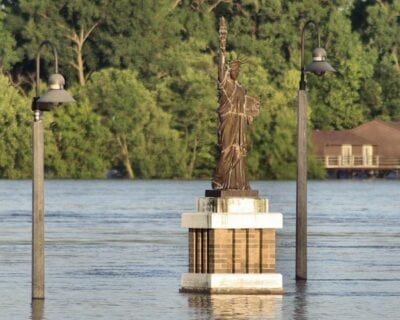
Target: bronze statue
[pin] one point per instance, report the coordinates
(235, 111)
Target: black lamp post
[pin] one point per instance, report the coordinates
(319, 66)
(55, 95)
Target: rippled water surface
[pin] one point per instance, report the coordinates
(115, 250)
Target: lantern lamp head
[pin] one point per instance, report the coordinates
(55, 95)
(319, 65)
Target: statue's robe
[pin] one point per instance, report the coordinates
(235, 111)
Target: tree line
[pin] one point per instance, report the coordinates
(144, 76)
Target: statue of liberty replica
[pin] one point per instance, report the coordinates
(236, 110)
(231, 237)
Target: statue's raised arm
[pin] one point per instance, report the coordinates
(223, 32)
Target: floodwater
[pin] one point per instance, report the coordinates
(115, 250)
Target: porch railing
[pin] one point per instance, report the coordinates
(378, 162)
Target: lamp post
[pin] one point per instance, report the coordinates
(55, 95)
(319, 66)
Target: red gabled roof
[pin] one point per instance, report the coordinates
(394, 124)
(374, 124)
(339, 137)
(384, 135)
(322, 138)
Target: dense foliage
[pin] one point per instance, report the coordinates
(143, 73)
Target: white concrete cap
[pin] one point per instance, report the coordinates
(231, 281)
(201, 220)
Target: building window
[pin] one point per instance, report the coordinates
(367, 152)
(347, 155)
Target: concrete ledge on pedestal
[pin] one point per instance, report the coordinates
(232, 283)
(232, 205)
(201, 220)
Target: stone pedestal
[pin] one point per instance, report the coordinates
(232, 247)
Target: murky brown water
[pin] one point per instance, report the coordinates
(115, 250)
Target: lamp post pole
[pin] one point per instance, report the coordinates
(319, 66)
(55, 95)
(301, 187)
(38, 207)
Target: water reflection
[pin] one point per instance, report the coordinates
(37, 309)
(300, 301)
(236, 306)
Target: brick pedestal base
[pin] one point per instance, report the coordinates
(232, 247)
(231, 250)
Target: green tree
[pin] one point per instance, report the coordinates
(273, 151)
(76, 141)
(67, 24)
(388, 78)
(8, 55)
(335, 99)
(172, 46)
(189, 95)
(383, 29)
(15, 132)
(142, 140)
(380, 29)
(135, 35)
(182, 74)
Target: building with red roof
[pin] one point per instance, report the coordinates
(372, 148)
